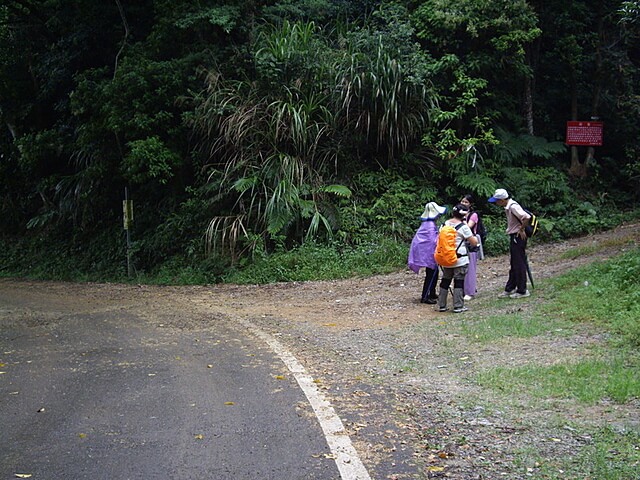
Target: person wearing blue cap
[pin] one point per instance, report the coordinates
(517, 220)
(422, 248)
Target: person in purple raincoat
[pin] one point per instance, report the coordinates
(421, 252)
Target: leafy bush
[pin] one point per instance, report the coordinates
(313, 261)
(49, 257)
(184, 270)
(149, 159)
(497, 241)
(387, 204)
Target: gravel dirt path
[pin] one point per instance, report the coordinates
(399, 374)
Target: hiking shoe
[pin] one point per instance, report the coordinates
(429, 301)
(506, 293)
(467, 298)
(460, 310)
(442, 309)
(520, 295)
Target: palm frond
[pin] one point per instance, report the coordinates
(225, 231)
(314, 226)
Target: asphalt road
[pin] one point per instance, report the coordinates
(105, 394)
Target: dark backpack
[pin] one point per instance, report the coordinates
(531, 229)
(481, 231)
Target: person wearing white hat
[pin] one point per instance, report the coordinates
(517, 220)
(421, 252)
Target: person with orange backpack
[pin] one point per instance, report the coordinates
(452, 255)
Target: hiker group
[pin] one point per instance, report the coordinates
(456, 246)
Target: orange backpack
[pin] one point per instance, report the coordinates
(446, 254)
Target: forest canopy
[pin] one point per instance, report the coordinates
(240, 129)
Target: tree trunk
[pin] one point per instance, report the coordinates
(532, 55)
(528, 104)
(577, 169)
(580, 168)
(597, 91)
(125, 25)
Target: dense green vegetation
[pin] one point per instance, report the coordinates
(256, 138)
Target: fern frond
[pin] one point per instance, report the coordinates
(339, 190)
(475, 182)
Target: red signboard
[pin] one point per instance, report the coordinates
(584, 133)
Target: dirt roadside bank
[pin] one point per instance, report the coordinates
(398, 373)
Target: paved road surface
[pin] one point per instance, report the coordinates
(105, 394)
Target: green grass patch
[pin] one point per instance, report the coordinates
(605, 294)
(610, 455)
(601, 296)
(588, 381)
(577, 252)
(496, 327)
(581, 251)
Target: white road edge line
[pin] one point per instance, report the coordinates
(346, 456)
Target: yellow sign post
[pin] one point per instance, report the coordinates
(127, 213)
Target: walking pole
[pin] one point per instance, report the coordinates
(526, 262)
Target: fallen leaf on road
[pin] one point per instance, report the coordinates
(435, 469)
(199, 436)
(229, 403)
(279, 377)
(325, 455)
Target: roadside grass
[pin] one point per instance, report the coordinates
(600, 301)
(604, 294)
(588, 381)
(581, 251)
(495, 327)
(609, 454)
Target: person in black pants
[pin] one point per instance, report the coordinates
(517, 220)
